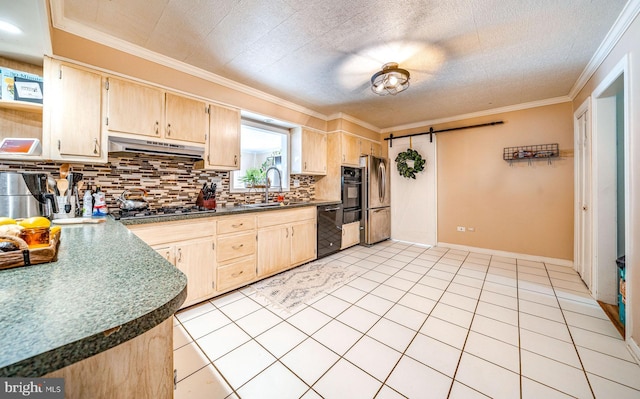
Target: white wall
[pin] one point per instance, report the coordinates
(413, 202)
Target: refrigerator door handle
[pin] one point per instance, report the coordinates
(382, 181)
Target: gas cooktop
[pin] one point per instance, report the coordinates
(164, 211)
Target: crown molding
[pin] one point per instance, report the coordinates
(353, 119)
(501, 110)
(624, 20)
(60, 22)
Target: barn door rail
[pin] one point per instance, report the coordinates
(431, 132)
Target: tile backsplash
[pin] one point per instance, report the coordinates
(168, 181)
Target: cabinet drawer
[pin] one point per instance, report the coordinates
(236, 223)
(235, 274)
(235, 246)
(273, 218)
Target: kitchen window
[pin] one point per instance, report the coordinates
(261, 146)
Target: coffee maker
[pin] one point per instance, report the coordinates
(25, 194)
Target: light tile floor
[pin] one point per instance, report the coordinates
(416, 323)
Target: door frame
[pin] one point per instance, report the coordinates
(579, 253)
(600, 95)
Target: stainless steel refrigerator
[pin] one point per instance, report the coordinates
(377, 200)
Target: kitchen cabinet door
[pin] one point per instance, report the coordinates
(133, 108)
(186, 119)
(350, 235)
(73, 108)
(167, 252)
(376, 150)
(350, 150)
(222, 150)
(303, 242)
(196, 259)
(274, 250)
(309, 152)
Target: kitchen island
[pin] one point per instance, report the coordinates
(107, 289)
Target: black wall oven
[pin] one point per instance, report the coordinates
(351, 194)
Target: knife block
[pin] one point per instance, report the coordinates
(207, 204)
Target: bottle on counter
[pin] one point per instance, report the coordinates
(87, 204)
(99, 203)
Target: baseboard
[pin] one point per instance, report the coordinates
(417, 244)
(634, 349)
(535, 258)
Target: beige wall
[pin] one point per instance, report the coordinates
(521, 208)
(628, 45)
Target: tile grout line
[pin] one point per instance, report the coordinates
(464, 344)
(570, 334)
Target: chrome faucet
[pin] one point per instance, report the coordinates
(266, 187)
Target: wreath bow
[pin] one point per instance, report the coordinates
(403, 167)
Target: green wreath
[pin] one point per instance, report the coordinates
(404, 169)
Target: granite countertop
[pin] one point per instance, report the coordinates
(106, 288)
(220, 211)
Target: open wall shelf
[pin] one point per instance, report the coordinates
(531, 152)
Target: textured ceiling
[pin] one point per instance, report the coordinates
(463, 55)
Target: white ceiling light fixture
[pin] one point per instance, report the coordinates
(9, 28)
(390, 80)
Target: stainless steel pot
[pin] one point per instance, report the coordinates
(23, 195)
(137, 203)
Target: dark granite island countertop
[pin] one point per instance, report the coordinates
(106, 288)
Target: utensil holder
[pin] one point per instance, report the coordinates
(205, 203)
(62, 200)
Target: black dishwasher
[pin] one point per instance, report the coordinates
(329, 229)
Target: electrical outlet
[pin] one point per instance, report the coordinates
(471, 229)
(461, 229)
(296, 183)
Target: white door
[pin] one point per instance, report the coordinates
(414, 208)
(584, 250)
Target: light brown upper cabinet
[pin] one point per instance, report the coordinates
(309, 152)
(222, 150)
(186, 119)
(350, 149)
(133, 108)
(72, 113)
(371, 148)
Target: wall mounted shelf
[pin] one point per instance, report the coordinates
(531, 152)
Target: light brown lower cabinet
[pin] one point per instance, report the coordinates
(350, 234)
(236, 251)
(139, 368)
(196, 259)
(223, 253)
(194, 254)
(285, 239)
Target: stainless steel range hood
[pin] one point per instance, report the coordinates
(142, 146)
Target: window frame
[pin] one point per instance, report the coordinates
(286, 167)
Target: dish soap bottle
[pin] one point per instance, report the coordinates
(99, 203)
(87, 204)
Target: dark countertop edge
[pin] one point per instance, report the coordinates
(222, 211)
(47, 362)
